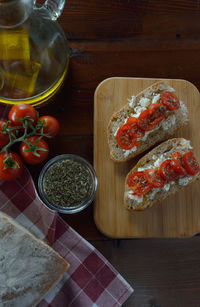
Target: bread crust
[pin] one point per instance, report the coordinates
(42, 266)
(151, 141)
(172, 145)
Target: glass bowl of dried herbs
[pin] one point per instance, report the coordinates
(67, 183)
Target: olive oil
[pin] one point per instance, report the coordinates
(27, 73)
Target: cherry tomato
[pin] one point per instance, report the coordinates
(125, 138)
(157, 112)
(149, 119)
(52, 126)
(144, 121)
(167, 171)
(154, 178)
(170, 101)
(35, 153)
(138, 183)
(19, 111)
(11, 166)
(177, 163)
(133, 123)
(190, 163)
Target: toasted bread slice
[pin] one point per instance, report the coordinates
(154, 159)
(173, 121)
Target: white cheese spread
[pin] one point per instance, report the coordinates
(115, 134)
(156, 98)
(185, 180)
(168, 122)
(153, 193)
(128, 152)
(167, 186)
(142, 105)
(144, 102)
(134, 197)
(186, 144)
(131, 101)
(140, 169)
(159, 160)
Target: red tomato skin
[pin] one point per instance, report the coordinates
(29, 156)
(138, 183)
(52, 125)
(133, 123)
(150, 118)
(125, 138)
(144, 121)
(20, 111)
(167, 171)
(9, 173)
(177, 163)
(157, 112)
(170, 101)
(190, 163)
(154, 178)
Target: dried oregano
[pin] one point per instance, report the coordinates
(67, 183)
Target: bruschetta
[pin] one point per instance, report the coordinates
(165, 170)
(150, 117)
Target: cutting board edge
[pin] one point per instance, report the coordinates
(141, 78)
(107, 234)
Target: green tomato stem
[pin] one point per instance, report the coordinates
(29, 130)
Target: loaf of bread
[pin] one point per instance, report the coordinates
(29, 268)
(153, 160)
(172, 121)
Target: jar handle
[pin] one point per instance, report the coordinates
(54, 8)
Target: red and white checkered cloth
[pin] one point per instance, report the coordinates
(91, 280)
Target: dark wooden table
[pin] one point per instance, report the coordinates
(132, 38)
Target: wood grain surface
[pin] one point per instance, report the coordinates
(130, 38)
(173, 217)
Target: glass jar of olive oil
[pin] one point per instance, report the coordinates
(34, 52)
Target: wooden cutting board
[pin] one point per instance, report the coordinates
(179, 215)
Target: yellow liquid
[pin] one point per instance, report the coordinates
(22, 79)
(42, 98)
(14, 45)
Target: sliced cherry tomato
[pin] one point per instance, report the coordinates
(125, 138)
(167, 171)
(157, 111)
(52, 126)
(149, 119)
(10, 166)
(177, 163)
(154, 178)
(190, 163)
(133, 123)
(144, 121)
(19, 111)
(138, 183)
(170, 101)
(34, 151)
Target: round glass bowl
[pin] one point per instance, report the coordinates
(50, 173)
